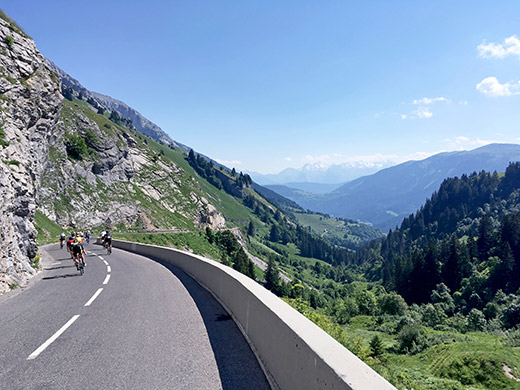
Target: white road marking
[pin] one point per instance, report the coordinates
(93, 297)
(58, 263)
(109, 269)
(42, 347)
(107, 279)
(106, 262)
(101, 258)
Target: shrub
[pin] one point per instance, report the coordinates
(476, 320)
(76, 146)
(411, 340)
(3, 142)
(491, 310)
(392, 304)
(9, 41)
(433, 314)
(512, 316)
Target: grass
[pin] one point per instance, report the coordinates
(13, 286)
(458, 361)
(12, 24)
(36, 262)
(195, 242)
(48, 231)
(349, 234)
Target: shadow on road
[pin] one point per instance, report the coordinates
(61, 276)
(59, 267)
(237, 365)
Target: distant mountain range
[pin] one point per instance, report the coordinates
(320, 173)
(386, 197)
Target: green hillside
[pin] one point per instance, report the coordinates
(339, 231)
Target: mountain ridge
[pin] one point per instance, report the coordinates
(386, 197)
(321, 173)
(141, 123)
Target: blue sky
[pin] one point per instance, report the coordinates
(266, 85)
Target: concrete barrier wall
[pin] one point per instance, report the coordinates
(293, 351)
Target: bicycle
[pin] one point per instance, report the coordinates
(109, 249)
(81, 263)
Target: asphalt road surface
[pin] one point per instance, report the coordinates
(127, 323)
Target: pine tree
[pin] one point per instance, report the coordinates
(272, 276)
(485, 238)
(191, 155)
(274, 234)
(376, 347)
(251, 230)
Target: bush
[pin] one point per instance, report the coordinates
(491, 310)
(76, 146)
(476, 320)
(511, 316)
(3, 142)
(392, 304)
(411, 340)
(433, 314)
(9, 41)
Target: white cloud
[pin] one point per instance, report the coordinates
(230, 163)
(423, 110)
(463, 143)
(490, 86)
(463, 102)
(510, 47)
(426, 100)
(288, 159)
(419, 113)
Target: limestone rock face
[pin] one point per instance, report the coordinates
(30, 103)
(67, 160)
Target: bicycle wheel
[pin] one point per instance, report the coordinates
(81, 269)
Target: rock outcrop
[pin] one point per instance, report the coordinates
(30, 104)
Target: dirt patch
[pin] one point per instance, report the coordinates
(508, 372)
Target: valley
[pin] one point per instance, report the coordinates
(415, 267)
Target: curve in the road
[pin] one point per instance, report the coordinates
(126, 323)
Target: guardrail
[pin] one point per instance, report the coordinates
(293, 352)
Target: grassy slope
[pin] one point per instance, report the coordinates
(462, 362)
(350, 234)
(48, 231)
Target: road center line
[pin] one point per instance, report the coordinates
(106, 262)
(93, 297)
(109, 269)
(101, 258)
(107, 279)
(42, 347)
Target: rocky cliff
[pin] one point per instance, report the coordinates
(68, 160)
(30, 103)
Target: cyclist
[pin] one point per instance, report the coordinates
(62, 239)
(78, 251)
(102, 236)
(69, 244)
(108, 242)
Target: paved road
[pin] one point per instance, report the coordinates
(150, 327)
